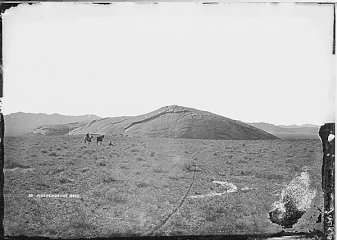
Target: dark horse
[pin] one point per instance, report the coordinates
(88, 138)
(100, 139)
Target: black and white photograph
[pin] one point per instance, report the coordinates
(142, 119)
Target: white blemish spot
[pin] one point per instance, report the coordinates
(331, 137)
(231, 186)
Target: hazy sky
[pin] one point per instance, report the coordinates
(249, 62)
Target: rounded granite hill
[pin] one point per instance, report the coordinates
(175, 122)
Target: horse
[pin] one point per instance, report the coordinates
(88, 139)
(100, 139)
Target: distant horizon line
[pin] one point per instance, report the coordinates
(141, 114)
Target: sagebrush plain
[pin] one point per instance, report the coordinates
(143, 186)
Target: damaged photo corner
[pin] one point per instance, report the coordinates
(241, 144)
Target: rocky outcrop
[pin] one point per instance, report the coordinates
(175, 122)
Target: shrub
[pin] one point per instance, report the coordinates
(245, 173)
(41, 186)
(71, 162)
(142, 185)
(270, 176)
(15, 165)
(78, 221)
(53, 154)
(87, 151)
(64, 180)
(16, 229)
(288, 161)
(242, 161)
(188, 167)
(109, 179)
(212, 213)
(296, 168)
(158, 170)
(57, 171)
(139, 159)
(51, 230)
(152, 154)
(44, 151)
(118, 199)
(173, 177)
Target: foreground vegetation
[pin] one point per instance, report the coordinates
(142, 186)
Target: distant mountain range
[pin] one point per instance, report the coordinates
(169, 121)
(306, 131)
(21, 123)
(298, 126)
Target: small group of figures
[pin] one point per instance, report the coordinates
(88, 139)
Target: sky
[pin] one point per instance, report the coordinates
(249, 62)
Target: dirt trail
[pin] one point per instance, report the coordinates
(150, 232)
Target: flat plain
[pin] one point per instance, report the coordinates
(148, 186)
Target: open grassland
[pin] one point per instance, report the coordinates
(143, 186)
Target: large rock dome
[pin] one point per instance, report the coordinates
(176, 122)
